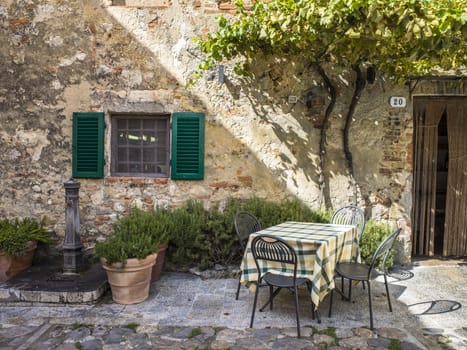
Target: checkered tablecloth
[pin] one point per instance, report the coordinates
(319, 248)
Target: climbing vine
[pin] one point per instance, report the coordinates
(399, 38)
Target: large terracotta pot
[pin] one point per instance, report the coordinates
(157, 268)
(130, 284)
(13, 265)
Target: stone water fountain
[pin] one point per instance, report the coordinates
(72, 247)
(70, 278)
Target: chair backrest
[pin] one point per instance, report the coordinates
(245, 224)
(275, 249)
(384, 249)
(350, 215)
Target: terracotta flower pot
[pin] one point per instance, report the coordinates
(13, 265)
(130, 284)
(157, 268)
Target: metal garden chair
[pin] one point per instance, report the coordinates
(354, 271)
(350, 215)
(267, 248)
(244, 225)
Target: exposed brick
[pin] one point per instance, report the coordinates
(51, 69)
(386, 171)
(245, 180)
(101, 219)
(219, 184)
(17, 22)
(111, 180)
(227, 6)
(134, 180)
(161, 181)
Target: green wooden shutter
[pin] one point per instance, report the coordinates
(88, 145)
(187, 146)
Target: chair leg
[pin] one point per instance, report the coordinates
(271, 297)
(238, 289)
(254, 305)
(387, 293)
(350, 290)
(369, 303)
(296, 311)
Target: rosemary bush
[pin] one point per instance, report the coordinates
(136, 235)
(373, 235)
(205, 237)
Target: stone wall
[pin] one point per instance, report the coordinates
(64, 56)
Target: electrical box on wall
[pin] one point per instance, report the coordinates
(293, 99)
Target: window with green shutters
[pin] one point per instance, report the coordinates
(140, 145)
(88, 145)
(187, 146)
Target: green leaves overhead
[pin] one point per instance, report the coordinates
(400, 37)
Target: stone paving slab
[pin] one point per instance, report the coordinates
(428, 313)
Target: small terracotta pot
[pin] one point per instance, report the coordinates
(157, 268)
(12, 265)
(130, 284)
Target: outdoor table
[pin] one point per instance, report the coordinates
(319, 248)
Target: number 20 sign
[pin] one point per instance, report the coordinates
(397, 101)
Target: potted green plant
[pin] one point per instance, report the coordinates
(162, 230)
(18, 242)
(129, 255)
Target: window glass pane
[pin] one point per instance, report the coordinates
(149, 155)
(122, 138)
(135, 154)
(134, 138)
(149, 168)
(149, 124)
(121, 124)
(161, 137)
(122, 168)
(122, 154)
(149, 138)
(161, 155)
(161, 124)
(134, 123)
(140, 145)
(134, 168)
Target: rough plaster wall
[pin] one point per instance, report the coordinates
(82, 62)
(64, 56)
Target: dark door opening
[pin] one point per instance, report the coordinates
(439, 213)
(441, 184)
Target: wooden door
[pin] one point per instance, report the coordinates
(428, 112)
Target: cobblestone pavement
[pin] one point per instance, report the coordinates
(184, 311)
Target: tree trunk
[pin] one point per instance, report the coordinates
(360, 82)
(322, 144)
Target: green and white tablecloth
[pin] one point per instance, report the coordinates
(319, 248)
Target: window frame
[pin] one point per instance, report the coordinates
(114, 117)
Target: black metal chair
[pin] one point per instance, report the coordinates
(350, 215)
(244, 225)
(354, 271)
(269, 248)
